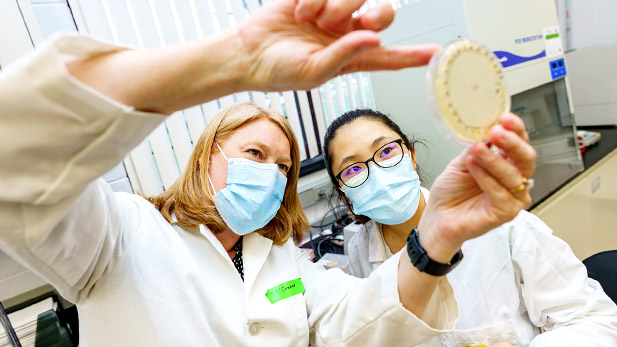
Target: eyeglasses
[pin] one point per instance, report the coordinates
(386, 156)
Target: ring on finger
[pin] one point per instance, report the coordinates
(527, 183)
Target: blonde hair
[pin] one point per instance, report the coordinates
(190, 198)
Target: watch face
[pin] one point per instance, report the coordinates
(466, 91)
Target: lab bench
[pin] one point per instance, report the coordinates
(605, 146)
(583, 212)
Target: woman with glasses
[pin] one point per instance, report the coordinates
(514, 281)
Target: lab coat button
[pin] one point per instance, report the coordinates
(254, 328)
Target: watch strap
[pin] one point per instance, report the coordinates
(423, 262)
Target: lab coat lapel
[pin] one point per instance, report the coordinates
(209, 235)
(255, 250)
(376, 245)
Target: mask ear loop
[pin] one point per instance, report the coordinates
(211, 185)
(224, 156)
(223, 153)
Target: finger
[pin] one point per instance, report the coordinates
(512, 122)
(517, 150)
(497, 151)
(497, 194)
(392, 58)
(339, 53)
(337, 11)
(459, 162)
(504, 172)
(308, 9)
(377, 18)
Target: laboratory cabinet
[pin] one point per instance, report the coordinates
(584, 212)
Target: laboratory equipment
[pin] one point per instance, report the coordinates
(587, 138)
(593, 80)
(466, 91)
(524, 35)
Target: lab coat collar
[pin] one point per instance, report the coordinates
(377, 248)
(376, 244)
(209, 235)
(255, 250)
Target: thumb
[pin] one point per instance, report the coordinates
(459, 161)
(330, 60)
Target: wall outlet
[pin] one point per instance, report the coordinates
(595, 184)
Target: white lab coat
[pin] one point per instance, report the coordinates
(138, 280)
(512, 282)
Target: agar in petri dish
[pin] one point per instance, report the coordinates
(466, 91)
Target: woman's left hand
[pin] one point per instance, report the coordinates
(474, 194)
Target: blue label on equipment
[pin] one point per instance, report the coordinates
(508, 59)
(558, 68)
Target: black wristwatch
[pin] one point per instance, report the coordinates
(421, 260)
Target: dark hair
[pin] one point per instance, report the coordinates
(348, 118)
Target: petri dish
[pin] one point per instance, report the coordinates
(466, 91)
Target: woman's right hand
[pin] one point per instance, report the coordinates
(300, 44)
(473, 194)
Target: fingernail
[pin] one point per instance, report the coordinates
(497, 130)
(479, 148)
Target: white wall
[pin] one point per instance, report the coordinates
(588, 22)
(14, 38)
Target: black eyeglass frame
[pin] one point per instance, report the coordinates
(372, 158)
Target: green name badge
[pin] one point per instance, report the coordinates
(284, 290)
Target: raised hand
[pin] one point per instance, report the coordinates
(474, 194)
(301, 44)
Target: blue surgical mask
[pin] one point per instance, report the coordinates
(390, 195)
(253, 194)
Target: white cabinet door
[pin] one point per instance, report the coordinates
(603, 206)
(584, 212)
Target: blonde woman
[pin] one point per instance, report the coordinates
(211, 261)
